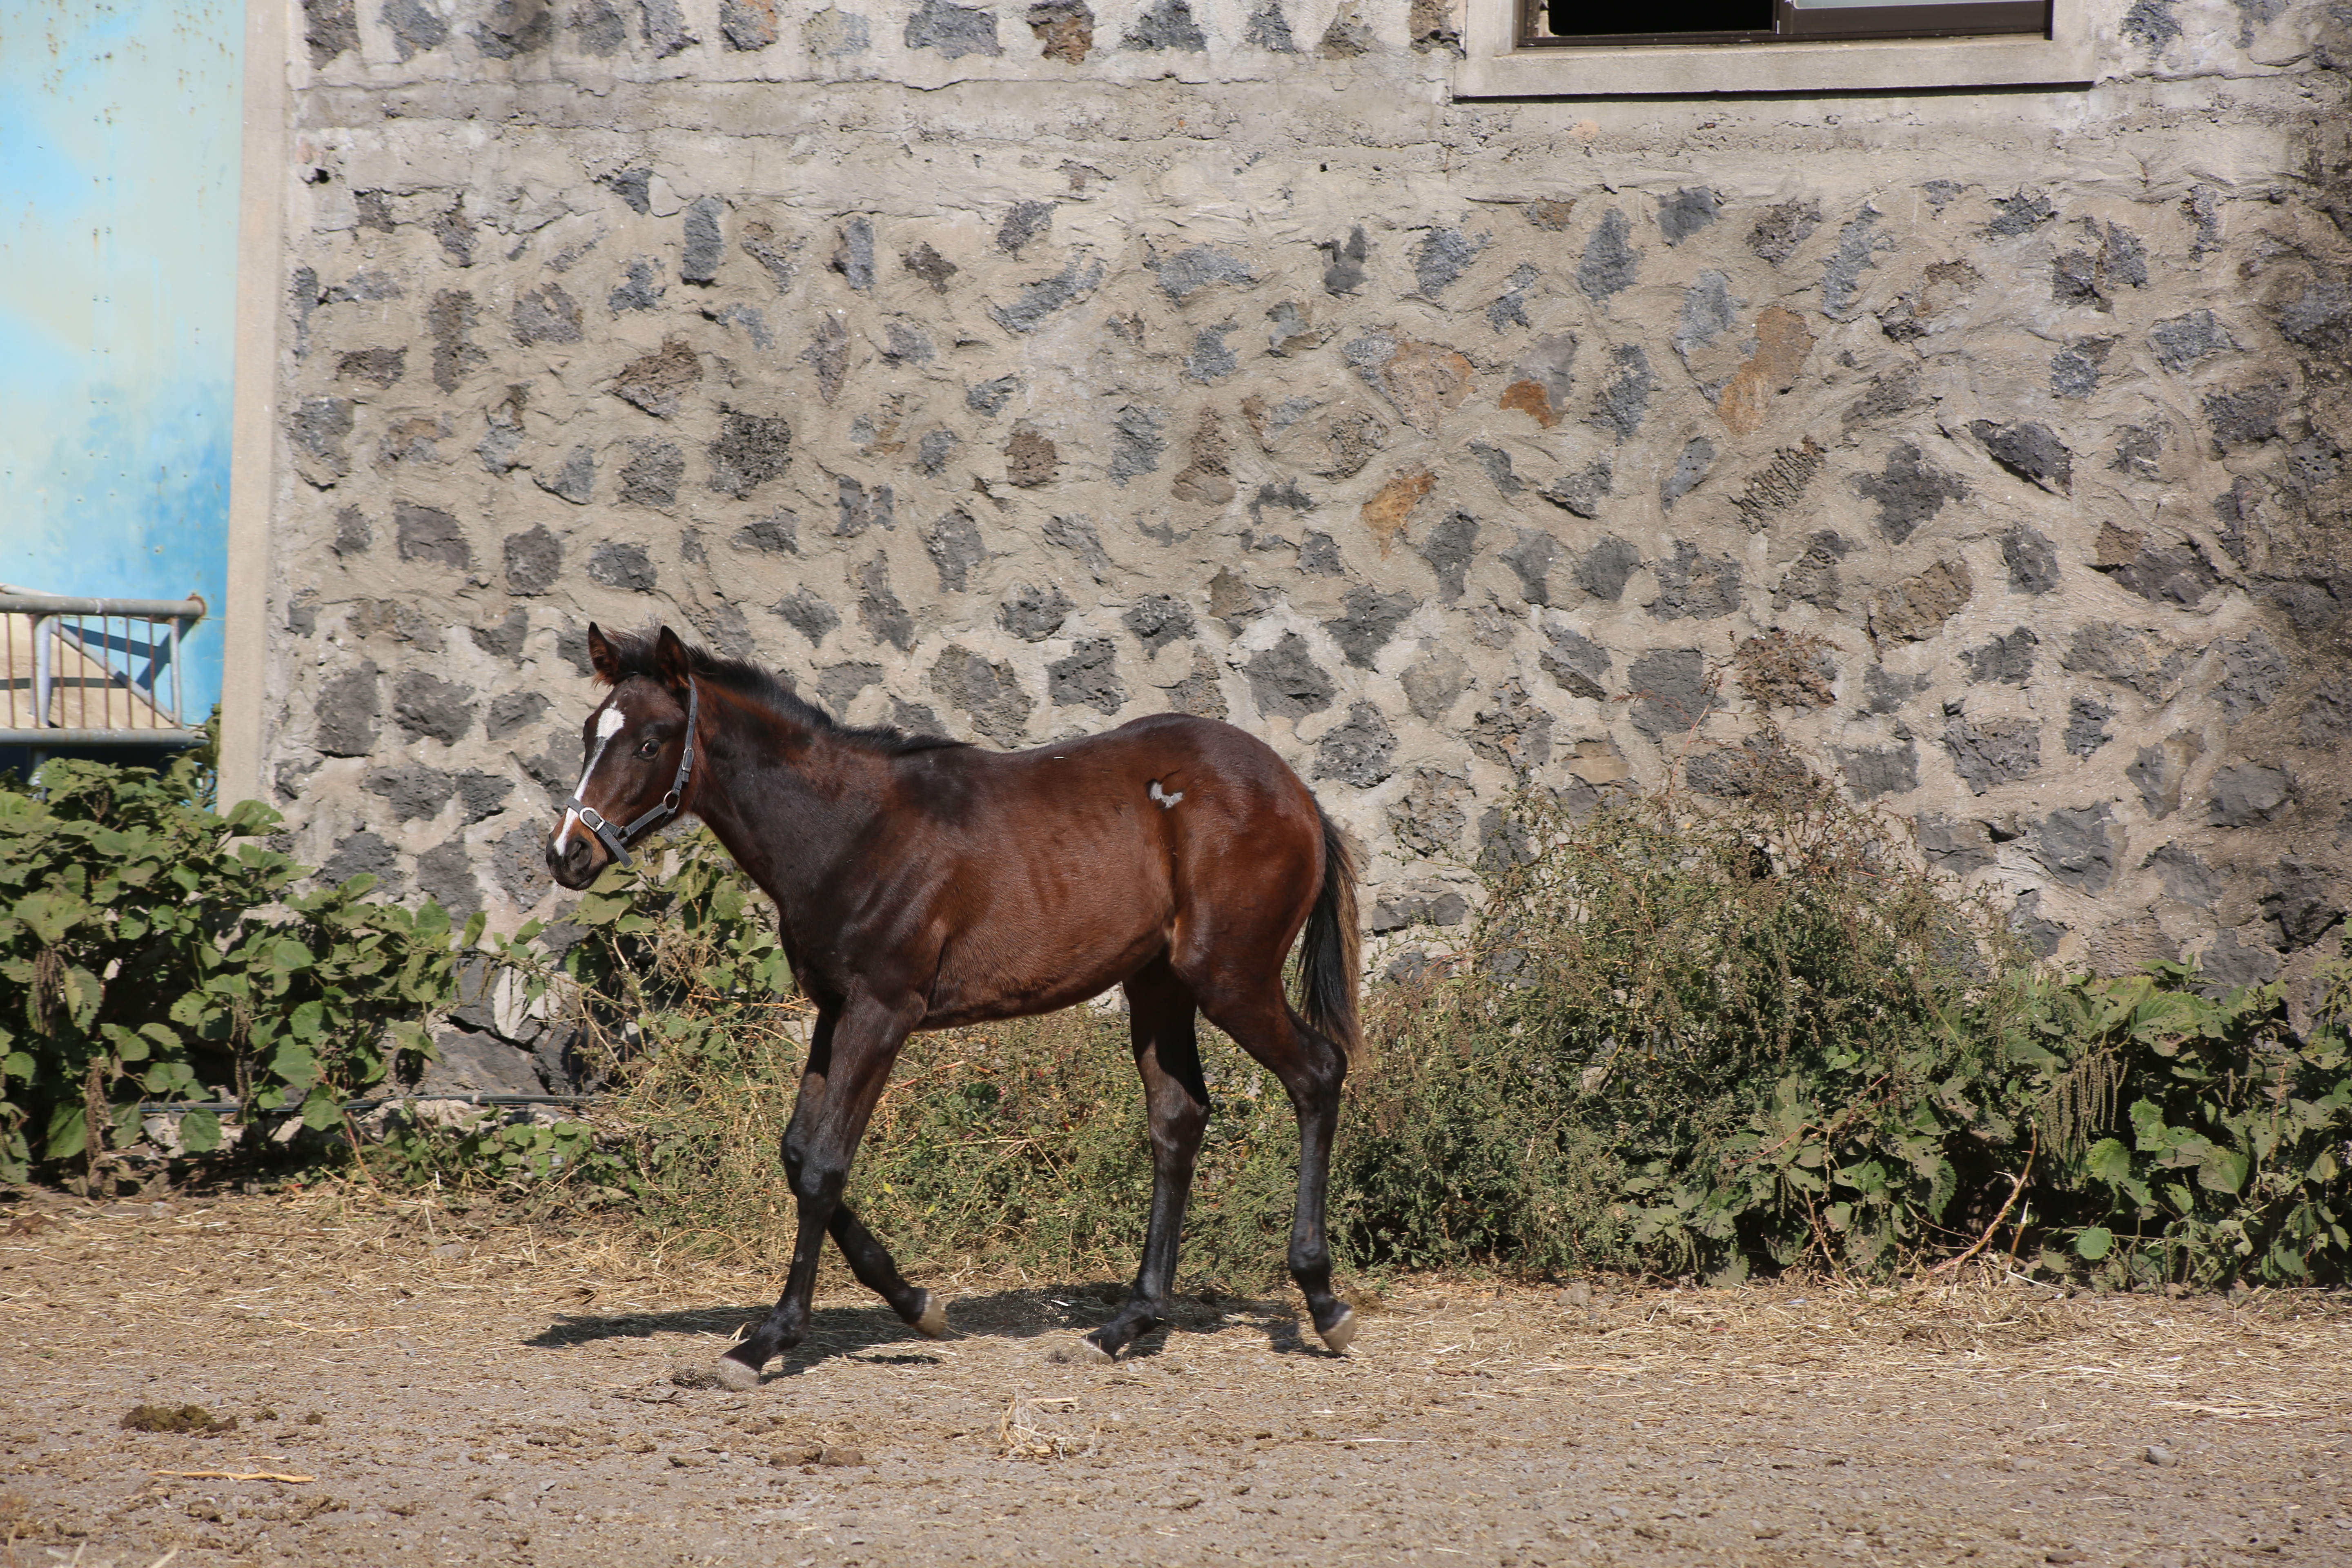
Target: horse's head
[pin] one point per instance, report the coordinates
(640, 753)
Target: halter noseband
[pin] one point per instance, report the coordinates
(617, 838)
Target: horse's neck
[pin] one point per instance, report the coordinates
(783, 809)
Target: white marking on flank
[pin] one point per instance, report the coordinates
(1162, 798)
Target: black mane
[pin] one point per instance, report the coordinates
(634, 653)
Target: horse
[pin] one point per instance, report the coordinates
(925, 883)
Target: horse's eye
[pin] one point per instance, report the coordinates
(648, 749)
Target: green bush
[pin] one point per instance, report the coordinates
(152, 951)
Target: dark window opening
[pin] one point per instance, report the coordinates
(1574, 21)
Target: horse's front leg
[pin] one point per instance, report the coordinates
(848, 1064)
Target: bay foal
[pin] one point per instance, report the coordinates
(920, 883)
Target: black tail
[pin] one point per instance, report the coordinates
(1327, 960)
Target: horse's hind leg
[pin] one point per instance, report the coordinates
(1160, 1018)
(872, 1263)
(1311, 1068)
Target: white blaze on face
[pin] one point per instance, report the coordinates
(608, 724)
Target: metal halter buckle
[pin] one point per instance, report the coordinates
(617, 838)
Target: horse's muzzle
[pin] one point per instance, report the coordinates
(574, 864)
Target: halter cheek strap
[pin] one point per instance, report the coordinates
(618, 838)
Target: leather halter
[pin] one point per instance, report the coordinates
(618, 838)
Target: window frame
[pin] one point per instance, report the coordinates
(1498, 63)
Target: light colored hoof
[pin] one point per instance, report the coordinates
(1079, 1351)
(1342, 1334)
(736, 1375)
(933, 1323)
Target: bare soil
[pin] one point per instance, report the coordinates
(487, 1392)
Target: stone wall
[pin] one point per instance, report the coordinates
(1017, 372)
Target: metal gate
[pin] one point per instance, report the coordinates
(92, 672)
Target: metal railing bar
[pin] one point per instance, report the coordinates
(22, 603)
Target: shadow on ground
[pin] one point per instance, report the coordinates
(859, 1331)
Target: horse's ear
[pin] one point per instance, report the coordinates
(601, 657)
(670, 659)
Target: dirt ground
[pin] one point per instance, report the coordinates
(498, 1393)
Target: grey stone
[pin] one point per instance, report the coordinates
(1698, 457)
(878, 609)
(752, 450)
(599, 28)
(1448, 549)
(1671, 691)
(778, 534)
(2074, 369)
(1037, 301)
(953, 542)
(1087, 678)
(413, 790)
(1211, 358)
(759, 243)
(328, 27)
(365, 855)
(1778, 233)
(1136, 442)
(828, 355)
(2028, 449)
(634, 188)
(2186, 877)
(481, 795)
(571, 646)
(658, 382)
(2019, 214)
(1432, 684)
(1603, 569)
(2007, 659)
(2032, 560)
(807, 614)
(506, 638)
(1318, 555)
(664, 26)
(451, 323)
(1625, 400)
(706, 241)
(1858, 244)
(2042, 936)
(1530, 559)
(1428, 818)
(353, 533)
(1692, 586)
(1034, 613)
(1575, 662)
(1372, 619)
(1992, 752)
(1512, 730)
(534, 561)
(1609, 263)
(1511, 308)
(1285, 681)
(575, 481)
(2326, 718)
(546, 315)
(853, 248)
(2253, 673)
(1709, 311)
(1269, 29)
(651, 478)
(1168, 25)
(318, 429)
(857, 509)
(915, 717)
(425, 705)
(1188, 271)
(932, 452)
(2138, 447)
(839, 684)
(2248, 796)
(1582, 492)
(990, 397)
(1887, 693)
(2178, 574)
(2077, 848)
(990, 694)
(2124, 655)
(1957, 847)
(2243, 418)
(2231, 963)
(1814, 578)
(747, 25)
(1395, 911)
(2086, 725)
(444, 874)
(904, 344)
(415, 27)
(624, 566)
(1343, 268)
(1157, 620)
(1361, 751)
(2300, 901)
(2158, 771)
(512, 711)
(1687, 212)
(428, 533)
(2182, 340)
(1441, 258)
(519, 864)
(2320, 320)
(1077, 536)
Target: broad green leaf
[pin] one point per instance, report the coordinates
(2223, 1171)
(2109, 1160)
(68, 1131)
(2093, 1242)
(200, 1131)
(320, 1110)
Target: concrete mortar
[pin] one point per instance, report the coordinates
(1383, 392)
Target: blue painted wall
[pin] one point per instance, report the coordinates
(119, 156)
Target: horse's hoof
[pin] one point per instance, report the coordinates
(736, 1375)
(1342, 1333)
(933, 1322)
